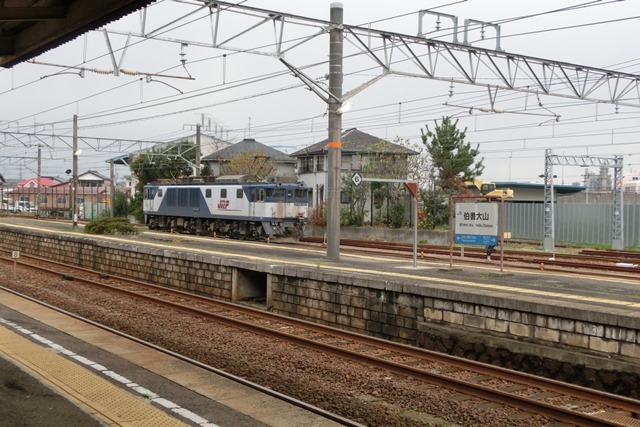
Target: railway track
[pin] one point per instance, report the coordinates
(588, 262)
(555, 400)
(600, 263)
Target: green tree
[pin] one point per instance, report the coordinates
(453, 160)
(356, 198)
(135, 207)
(381, 160)
(169, 162)
(206, 170)
(120, 204)
(172, 162)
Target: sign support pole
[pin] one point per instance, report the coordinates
(502, 213)
(451, 227)
(15, 255)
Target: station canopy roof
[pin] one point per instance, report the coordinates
(31, 27)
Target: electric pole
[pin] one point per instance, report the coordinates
(39, 181)
(335, 132)
(74, 183)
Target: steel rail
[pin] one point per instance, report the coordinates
(555, 412)
(581, 262)
(298, 403)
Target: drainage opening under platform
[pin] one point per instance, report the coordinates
(251, 287)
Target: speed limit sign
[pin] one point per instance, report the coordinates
(15, 254)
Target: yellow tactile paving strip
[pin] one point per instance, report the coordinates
(110, 404)
(265, 409)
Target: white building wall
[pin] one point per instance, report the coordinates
(631, 183)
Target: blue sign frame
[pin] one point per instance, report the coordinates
(476, 239)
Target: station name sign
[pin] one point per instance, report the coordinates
(476, 224)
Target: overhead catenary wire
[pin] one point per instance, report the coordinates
(125, 111)
(505, 20)
(381, 122)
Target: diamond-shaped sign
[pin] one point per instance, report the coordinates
(356, 179)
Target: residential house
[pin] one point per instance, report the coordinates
(23, 194)
(93, 194)
(264, 161)
(631, 182)
(55, 195)
(358, 148)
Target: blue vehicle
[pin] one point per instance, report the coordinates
(230, 206)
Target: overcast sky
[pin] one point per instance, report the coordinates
(242, 95)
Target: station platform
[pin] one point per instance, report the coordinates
(87, 376)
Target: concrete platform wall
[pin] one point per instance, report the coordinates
(200, 274)
(402, 312)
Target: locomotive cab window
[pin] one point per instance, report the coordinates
(275, 194)
(261, 195)
(223, 193)
(150, 193)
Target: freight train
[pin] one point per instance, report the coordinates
(232, 206)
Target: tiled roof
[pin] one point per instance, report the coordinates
(355, 141)
(91, 172)
(249, 145)
(44, 182)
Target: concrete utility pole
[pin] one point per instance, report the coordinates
(112, 187)
(39, 181)
(197, 168)
(335, 132)
(74, 183)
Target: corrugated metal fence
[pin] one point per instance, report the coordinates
(574, 223)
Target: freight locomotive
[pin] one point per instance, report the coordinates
(232, 206)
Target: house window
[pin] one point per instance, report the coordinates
(346, 163)
(306, 164)
(61, 200)
(345, 198)
(356, 163)
(320, 163)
